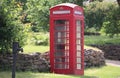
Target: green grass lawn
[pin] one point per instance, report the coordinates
(33, 48)
(102, 72)
(100, 40)
(89, 40)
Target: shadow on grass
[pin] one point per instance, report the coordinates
(7, 74)
(84, 76)
(48, 75)
(89, 77)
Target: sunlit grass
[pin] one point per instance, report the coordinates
(33, 48)
(89, 47)
(101, 40)
(102, 72)
(41, 49)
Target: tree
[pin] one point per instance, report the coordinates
(38, 13)
(78, 2)
(11, 28)
(95, 14)
(111, 26)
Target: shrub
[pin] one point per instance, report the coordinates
(11, 28)
(40, 39)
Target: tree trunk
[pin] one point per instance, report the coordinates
(118, 1)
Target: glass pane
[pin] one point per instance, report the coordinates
(67, 60)
(78, 60)
(59, 36)
(78, 54)
(59, 60)
(61, 45)
(61, 66)
(78, 25)
(78, 41)
(60, 40)
(78, 44)
(62, 63)
(78, 47)
(78, 66)
(57, 22)
(60, 28)
(67, 47)
(78, 28)
(58, 66)
(66, 66)
(59, 53)
(78, 35)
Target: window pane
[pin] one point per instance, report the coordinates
(60, 28)
(61, 66)
(78, 54)
(78, 35)
(78, 44)
(78, 25)
(78, 60)
(57, 22)
(78, 66)
(58, 66)
(78, 47)
(78, 41)
(59, 53)
(61, 37)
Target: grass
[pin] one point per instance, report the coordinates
(101, 40)
(89, 40)
(102, 72)
(33, 48)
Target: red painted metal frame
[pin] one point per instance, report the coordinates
(72, 17)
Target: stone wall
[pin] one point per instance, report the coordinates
(25, 62)
(93, 58)
(41, 62)
(111, 52)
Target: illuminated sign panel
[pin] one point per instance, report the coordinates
(62, 12)
(78, 12)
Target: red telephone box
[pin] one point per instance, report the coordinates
(66, 39)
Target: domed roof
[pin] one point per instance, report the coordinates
(67, 4)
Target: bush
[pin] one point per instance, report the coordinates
(111, 25)
(40, 39)
(11, 28)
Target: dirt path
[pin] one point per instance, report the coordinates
(113, 63)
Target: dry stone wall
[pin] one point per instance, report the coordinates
(41, 62)
(94, 58)
(110, 51)
(25, 62)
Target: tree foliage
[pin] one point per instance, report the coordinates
(38, 12)
(95, 13)
(11, 28)
(111, 25)
(16, 13)
(103, 16)
(78, 2)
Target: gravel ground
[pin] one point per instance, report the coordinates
(113, 62)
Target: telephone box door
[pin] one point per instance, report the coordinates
(61, 50)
